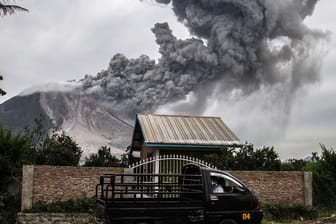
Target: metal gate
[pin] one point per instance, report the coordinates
(167, 164)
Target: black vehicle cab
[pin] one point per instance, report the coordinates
(228, 200)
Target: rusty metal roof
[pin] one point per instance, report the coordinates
(185, 130)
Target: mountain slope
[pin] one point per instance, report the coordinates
(86, 118)
(20, 112)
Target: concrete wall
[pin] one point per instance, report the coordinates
(61, 183)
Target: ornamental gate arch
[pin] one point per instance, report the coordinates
(166, 164)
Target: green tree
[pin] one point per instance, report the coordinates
(223, 160)
(266, 159)
(245, 158)
(103, 158)
(127, 158)
(30, 147)
(8, 9)
(248, 158)
(58, 149)
(13, 154)
(293, 165)
(324, 178)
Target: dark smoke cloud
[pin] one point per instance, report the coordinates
(238, 45)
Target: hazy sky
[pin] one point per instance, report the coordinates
(64, 40)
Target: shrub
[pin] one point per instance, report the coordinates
(103, 158)
(324, 179)
(86, 205)
(8, 208)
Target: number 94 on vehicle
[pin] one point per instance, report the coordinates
(246, 216)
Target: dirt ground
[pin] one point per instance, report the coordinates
(327, 220)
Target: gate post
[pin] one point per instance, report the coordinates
(27, 187)
(157, 162)
(157, 166)
(308, 188)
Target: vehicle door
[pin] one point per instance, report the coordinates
(234, 195)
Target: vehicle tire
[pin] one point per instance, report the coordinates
(228, 221)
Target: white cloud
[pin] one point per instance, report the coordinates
(51, 87)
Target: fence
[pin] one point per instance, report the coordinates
(54, 183)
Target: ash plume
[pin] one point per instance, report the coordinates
(237, 45)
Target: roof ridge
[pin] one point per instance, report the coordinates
(177, 115)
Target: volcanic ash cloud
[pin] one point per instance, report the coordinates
(237, 45)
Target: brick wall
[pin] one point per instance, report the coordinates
(275, 187)
(61, 183)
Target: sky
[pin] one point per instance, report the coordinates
(65, 40)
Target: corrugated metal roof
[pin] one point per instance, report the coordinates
(185, 130)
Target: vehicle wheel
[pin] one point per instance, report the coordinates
(228, 221)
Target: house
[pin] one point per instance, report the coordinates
(156, 135)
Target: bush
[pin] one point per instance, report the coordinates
(246, 158)
(324, 179)
(103, 158)
(58, 150)
(85, 205)
(8, 208)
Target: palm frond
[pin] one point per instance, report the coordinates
(2, 92)
(10, 9)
